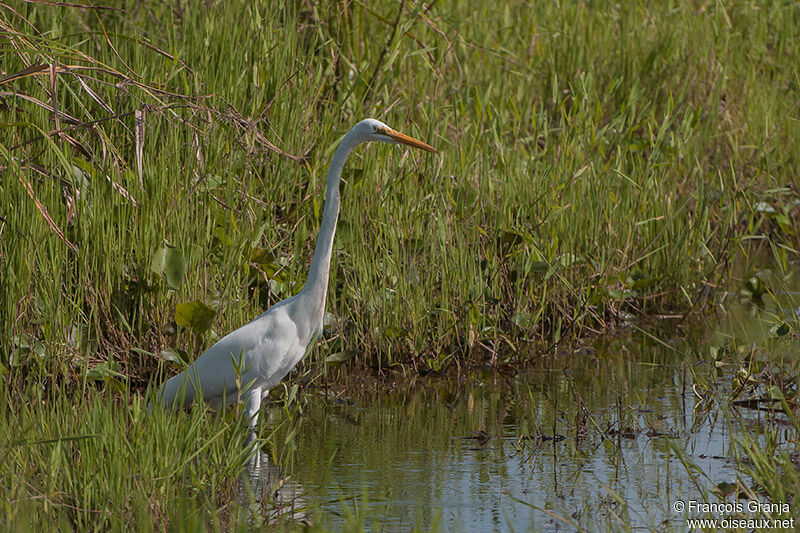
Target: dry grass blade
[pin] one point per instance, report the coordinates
(61, 114)
(139, 135)
(165, 54)
(53, 95)
(63, 183)
(94, 95)
(14, 37)
(413, 37)
(49, 69)
(75, 143)
(30, 71)
(43, 211)
(379, 63)
(111, 45)
(78, 6)
(70, 206)
(121, 191)
(249, 126)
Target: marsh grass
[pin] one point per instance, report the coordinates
(598, 161)
(89, 461)
(753, 385)
(595, 162)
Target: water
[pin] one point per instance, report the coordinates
(606, 436)
(592, 439)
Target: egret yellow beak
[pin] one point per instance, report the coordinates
(402, 138)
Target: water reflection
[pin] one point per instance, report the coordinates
(589, 440)
(268, 495)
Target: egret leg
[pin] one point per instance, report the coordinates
(252, 406)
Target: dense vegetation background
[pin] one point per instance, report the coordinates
(596, 159)
(163, 170)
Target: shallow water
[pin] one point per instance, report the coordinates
(478, 454)
(606, 436)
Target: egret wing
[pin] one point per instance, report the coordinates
(243, 359)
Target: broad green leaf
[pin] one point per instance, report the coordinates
(195, 315)
(261, 256)
(642, 283)
(521, 319)
(340, 357)
(773, 392)
(569, 259)
(725, 489)
(717, 352)
(107, 373)
(781, 329)
(755, 286)
(171, 265)
(621, 294)
(104, 371)
(392, 332)
(175, 355)
(784, 223)
(434, 363)
(509, 239)
(473, 314)
(540, 266)
(292, 395)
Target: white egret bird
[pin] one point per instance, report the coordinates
(247, 362)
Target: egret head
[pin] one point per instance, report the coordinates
(370, 129)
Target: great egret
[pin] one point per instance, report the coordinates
(247, 362)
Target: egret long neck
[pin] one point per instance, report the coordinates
(316, 286)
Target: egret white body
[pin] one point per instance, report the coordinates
(247, 362)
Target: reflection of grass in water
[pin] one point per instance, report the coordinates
(511, 425)
(753, 383)
(603, 412)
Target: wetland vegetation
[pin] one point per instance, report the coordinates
(614, 204)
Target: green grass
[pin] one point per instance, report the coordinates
(594, 160)
(754, 387)
(598, 160)
(85, 461)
